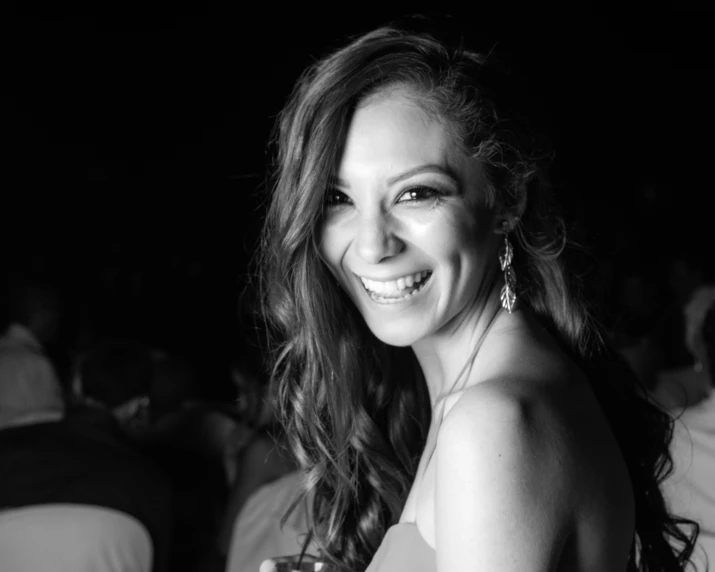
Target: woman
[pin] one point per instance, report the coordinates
(440, 380)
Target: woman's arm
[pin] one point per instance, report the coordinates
(502, 494)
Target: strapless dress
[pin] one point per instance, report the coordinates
(404, 550)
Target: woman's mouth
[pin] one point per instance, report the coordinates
(394, 291)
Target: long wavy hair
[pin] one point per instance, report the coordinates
(355, 410)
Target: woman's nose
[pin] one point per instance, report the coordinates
(376, 239)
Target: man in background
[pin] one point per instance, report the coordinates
(29, 384)
(35, 314)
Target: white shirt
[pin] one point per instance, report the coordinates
(30, 390)
(72, 538)
(18, 336)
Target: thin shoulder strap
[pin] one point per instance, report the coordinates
(439, 411)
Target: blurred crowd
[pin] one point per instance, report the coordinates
(656, 314)
(662, 321)
(114, 455)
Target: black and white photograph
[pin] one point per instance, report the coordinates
(357, 289)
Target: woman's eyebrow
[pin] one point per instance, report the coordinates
(426, 168)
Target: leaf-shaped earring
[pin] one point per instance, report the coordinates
(508, 291)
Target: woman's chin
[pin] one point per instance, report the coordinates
(394, 335)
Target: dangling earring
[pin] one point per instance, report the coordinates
(508, 291)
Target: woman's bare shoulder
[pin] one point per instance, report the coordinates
(527, 394)
(514, 403)
(503, 472)
(521, 410)
(552, 425)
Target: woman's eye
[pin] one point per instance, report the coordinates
(418, 194)
(335, 198)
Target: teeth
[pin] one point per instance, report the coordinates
(378, 287)
(394, 286)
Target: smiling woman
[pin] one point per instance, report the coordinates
(442, 384)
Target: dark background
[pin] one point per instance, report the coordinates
(136, 142)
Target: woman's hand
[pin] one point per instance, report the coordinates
(296, 562)
(269, 565)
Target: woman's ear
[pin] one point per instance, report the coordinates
(505, 223)
(510, 214)
(501, 225)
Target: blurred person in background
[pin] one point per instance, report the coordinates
(260, 531)
(685, 272)
(114, 384)
(635, 316)
(681, 378)
(690, 489)
(35, 313)
(154, 398)
(79, 455)
(29, 392)
(259, 458)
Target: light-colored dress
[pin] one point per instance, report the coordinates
(404, 549)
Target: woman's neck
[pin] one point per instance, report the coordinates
(448, 357)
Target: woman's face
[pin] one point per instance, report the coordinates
(406, 230)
